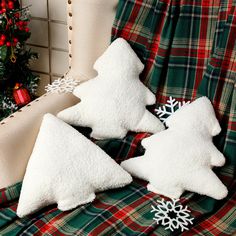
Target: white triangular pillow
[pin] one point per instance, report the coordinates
(66, 168)
(115, 101)
(182, 157)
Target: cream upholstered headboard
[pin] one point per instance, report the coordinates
(89, 26)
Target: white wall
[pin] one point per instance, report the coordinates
(49, 38)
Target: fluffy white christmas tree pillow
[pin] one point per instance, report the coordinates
(115, 101)
(66, 168)
(181, 157)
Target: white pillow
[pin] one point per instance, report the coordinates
(66, 168)
(181, 157)
(115, 101)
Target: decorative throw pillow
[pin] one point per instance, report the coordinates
(66, 168)
(181, 157)
(115, 101)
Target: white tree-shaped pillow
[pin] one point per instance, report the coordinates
(115, 101)
(66, 168)
(182, 157)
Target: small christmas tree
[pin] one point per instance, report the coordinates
(17, 83)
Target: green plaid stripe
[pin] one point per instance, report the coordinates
(189, 50)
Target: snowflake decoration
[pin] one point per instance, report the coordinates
(33, 84)
(172, 106)
(65, 85)
(172, 215)
(25, 13)
(8, 104)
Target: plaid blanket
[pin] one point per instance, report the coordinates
(120, 212)
(189, 50)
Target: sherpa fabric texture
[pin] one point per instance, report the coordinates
(181, 157)
(178, 41)
(115, 101)
(66, 168)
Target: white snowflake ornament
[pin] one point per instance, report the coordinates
(172, 215)
(172, 105)
(8, 104)
(62, 85)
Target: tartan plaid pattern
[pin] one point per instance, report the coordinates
(120, 212)
(189, 50)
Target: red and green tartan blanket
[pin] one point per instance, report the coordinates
(120, 212)
(189, 50)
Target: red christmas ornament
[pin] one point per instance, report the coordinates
(10, 5)
(21, 23)
(21, 95)
(3, 37)
(3, 4)
(17, 15)
(8, 44)
(27, 29)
